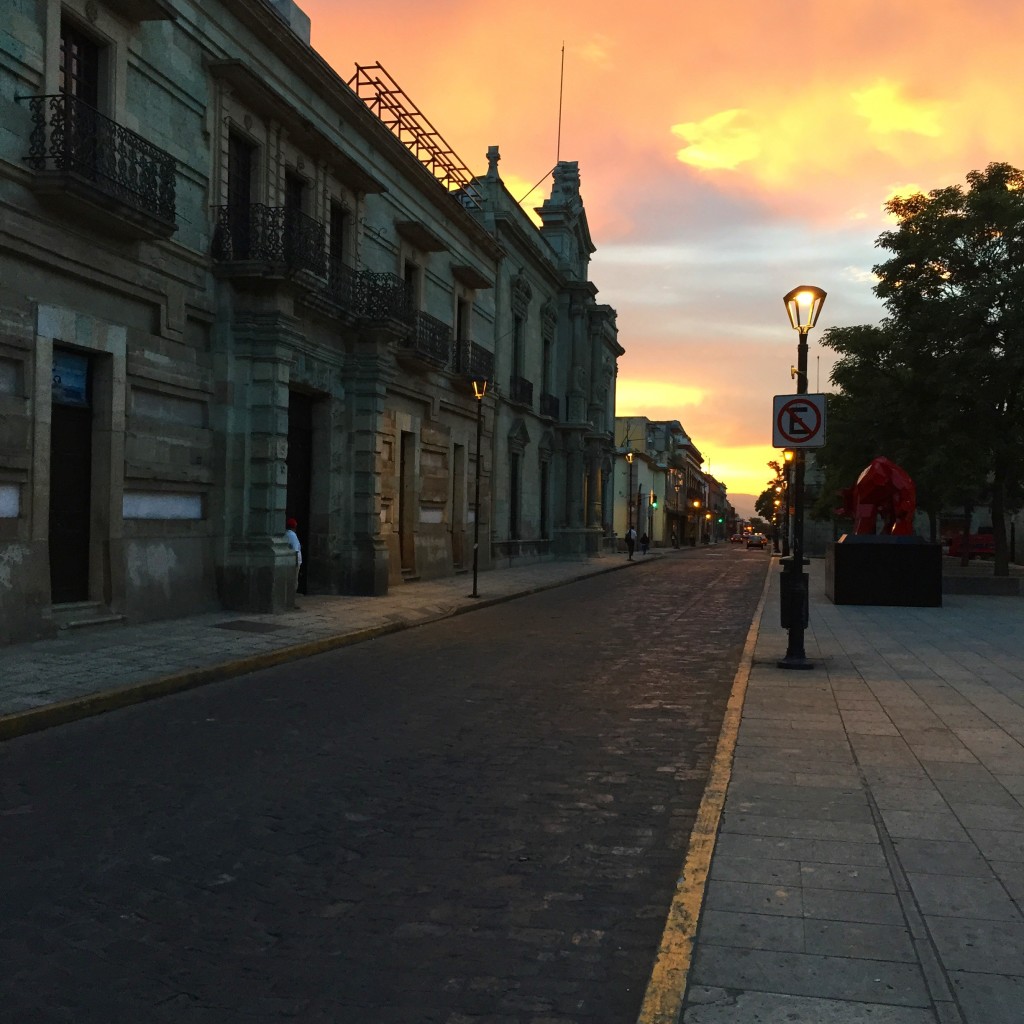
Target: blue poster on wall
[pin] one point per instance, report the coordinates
(70, 378)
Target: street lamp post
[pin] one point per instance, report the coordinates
(787, 460)
(803, 304)
(479, 391)
(629, 494)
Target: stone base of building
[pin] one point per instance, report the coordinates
(258, 576)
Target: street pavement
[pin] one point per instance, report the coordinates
(863, 835)
(87, 671)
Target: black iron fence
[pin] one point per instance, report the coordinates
(431, 339)
(342, 284)
(550, 406)
(271, 234)
(72, 137)
(382, 296)
(474, 361)
(521, 391)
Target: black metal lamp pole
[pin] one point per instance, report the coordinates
(803, 305)
(479, 391)
(629, 493)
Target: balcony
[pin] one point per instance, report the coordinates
(550, 406)
(93, 167)
(520, 391)
(342, 285)
(473, 361)
(254, 238)
(430, 340)
(383, 296)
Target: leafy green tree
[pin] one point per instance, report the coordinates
(941, 383)
(895, 400)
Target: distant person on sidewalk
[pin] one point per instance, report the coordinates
(630, 542)
(293, 542)
(645, 543)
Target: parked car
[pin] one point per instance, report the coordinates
(757, 540)
(736, 538)
(978, 544)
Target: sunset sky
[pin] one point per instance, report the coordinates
(727, 152)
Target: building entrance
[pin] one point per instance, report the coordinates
(70, 477)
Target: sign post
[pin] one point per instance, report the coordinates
(798, 422)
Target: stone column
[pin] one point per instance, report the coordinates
(368, 563)
(258, 574)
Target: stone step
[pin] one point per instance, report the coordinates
(83, 615)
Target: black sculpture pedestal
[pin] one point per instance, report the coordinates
(884, 570)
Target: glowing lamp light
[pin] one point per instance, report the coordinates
(803, 304)
(480, 389)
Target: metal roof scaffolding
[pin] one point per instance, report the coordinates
(385, 98)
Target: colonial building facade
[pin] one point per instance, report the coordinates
(660, 487)
(231, 294)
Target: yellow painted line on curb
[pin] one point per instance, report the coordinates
(663, 1000)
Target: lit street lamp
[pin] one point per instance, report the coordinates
(479, 391)
(629, 493)
(803, 304)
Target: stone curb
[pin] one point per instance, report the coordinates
(21, 723)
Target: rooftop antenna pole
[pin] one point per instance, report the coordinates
(561, 85)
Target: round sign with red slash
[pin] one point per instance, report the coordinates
(799, 421)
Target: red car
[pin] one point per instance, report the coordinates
(983, 544)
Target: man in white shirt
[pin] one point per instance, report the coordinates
(293, 542)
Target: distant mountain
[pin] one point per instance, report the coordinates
(743, 503)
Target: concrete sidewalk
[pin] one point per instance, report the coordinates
(83, 672)
(869, 864)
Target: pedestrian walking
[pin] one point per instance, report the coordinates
(293, 542)
(630, 542)
(645, 542)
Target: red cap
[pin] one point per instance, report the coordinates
(292, 523)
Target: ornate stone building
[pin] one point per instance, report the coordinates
(231, 294)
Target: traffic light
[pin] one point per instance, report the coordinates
(721, 519)
(654, 500)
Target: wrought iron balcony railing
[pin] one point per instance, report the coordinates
(521, 391)
(430, 339)
(73, 138)
(382, 296)
(474, 361)
(270, 234)
(550, 406)
(342, 284)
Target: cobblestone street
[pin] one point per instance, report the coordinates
(478, 820)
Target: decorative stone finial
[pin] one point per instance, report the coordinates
(493, 156)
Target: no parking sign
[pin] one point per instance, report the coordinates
(798, 421)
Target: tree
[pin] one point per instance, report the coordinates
(895, 400)
(951, 352)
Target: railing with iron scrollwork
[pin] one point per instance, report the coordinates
(550, 406)
(73, 137)
(342, 284)
(382, 296)
(520, 391)
(431, 339)
(475, 361)
(270, 234)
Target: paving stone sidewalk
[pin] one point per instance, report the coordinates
(83, 671)
(870, 860)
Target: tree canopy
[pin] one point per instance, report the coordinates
(939, 386)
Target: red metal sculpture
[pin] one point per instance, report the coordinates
(883, 489)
